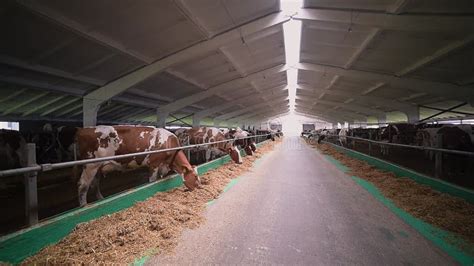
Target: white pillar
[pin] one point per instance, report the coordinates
(413, 115)
(89, 112)
(196, 121)
(161, 117)
(382, 119)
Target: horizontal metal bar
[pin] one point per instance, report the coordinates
(423, 148)
(54, 166)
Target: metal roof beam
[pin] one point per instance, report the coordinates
(50, 71)
(261, 115)
(224, 106)
(30, 100)
(260, 110)
(57, 107)
(384, 21)
(70, 109)
(336, 113)
(13, 95)
(349, 106)
(365, 98)
(250, 108)
(118, 86)
(186, 101)
(83, 31)
(36, 108)
(432, 87)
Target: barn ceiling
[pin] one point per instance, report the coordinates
(224, 60)
(364, 59)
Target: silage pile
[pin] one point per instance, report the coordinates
(152, 226)
(439, 209)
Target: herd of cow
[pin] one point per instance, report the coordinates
(58, 145)
(453, 137)
(445, 136)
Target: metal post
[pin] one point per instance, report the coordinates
(74, 148)
(188, 151)
(370, 148)
(439, 157)
(31, 189)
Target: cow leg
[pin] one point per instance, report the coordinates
(208, 154)
(153, 175)
(87, 176)
(96, 186)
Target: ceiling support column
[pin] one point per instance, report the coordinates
(382, 119)
(161, 117)
(196, 121)
(90, 108)
(413, 115)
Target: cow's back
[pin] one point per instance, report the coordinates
(103, 141)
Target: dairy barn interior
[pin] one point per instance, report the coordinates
(244, 132)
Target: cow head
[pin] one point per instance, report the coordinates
(234, 153)
(191, 178)
(253, 146)
(248, 150)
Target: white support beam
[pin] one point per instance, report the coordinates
(161, 116)
(78, 28)
(437, 55)
(18, 106)
(36, 108)
(90, 108)
(332, 119)
(329, 86)
(334, 113)
(186, 101)
(340, 113)
(118, 86)
(263, 115)
(398, 7)
(432, 87)
(57, 107)
(48, 70)
(251, 108)
(401, 106)
(196, 121)
(382, 119)
(386, 21)
(348, 106)
(372, 35)
(218, 108)
(259, 110)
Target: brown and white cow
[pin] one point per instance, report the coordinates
(200, 135)
(104, 141)
(12, 146)
(248, 144)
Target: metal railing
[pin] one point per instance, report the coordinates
(31, 171)
(423, 148)
(437, 152)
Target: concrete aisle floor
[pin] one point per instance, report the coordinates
(297, 208)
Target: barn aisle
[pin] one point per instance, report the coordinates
(297, 208)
